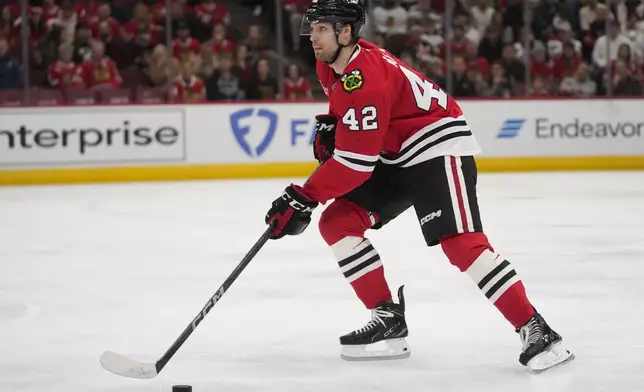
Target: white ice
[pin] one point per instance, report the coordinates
(125, 267)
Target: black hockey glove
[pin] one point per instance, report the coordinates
(324, 143)
(291, 211)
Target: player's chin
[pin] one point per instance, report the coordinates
(321, 56)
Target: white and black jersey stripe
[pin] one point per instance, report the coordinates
(433, 141)
(493, 275)
(362, 260)
(355, 161)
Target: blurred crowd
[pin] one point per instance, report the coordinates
(518, 47)
(116, 52)
(119, 51)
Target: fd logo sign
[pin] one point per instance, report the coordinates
(247, 122)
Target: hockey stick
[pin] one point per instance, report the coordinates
(121, 365)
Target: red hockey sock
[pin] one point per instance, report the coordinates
(342, 226)
(495, 276)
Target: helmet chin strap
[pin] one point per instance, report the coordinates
(338, 51)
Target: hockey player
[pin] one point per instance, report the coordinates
(393, 139)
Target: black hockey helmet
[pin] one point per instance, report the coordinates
(336, 12)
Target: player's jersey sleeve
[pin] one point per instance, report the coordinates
(362, 106)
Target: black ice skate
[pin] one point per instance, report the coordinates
(383, 337)
(542, 346)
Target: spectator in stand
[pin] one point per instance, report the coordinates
(458, 44)
(563, 35)
(540, 66)
(180, 12)
(515, 70)
(219, 43)
(10, 74)
(103, 25)
(544, 16)
(525, 45)
(498, 84)
(115, 47)
(162, 68)
(64, 73)
(474, 61)
(420, 9)
(539, 88)
(482, 12)
(462, 86)
(209, 13)
(623, 83)
(296, 87)
(566, 64)
(100, 71)
(588, 14)
(159, 12)
(208, 64)
(430, 34)
(184, 47)
(224, 84)
(429, 43)
(87, 9)
(425, 52)
(601, 54)
(294, 10)
(471, 34)
(513, 19)
(82, 43)
(263, 86)
(241, 68)
(36, 23)
(255, 42)
(596, 30)
(390, 18)
(204, 16)
(50, 10)
(66, 20)
(46, 50)
(497, 22)
(188, 87)
(7, 27)
(634, 29)
(579, 84)
(626, 10)
(435, 71)
(476, 76)
(624, 53)
(140, 29)
(491, 46)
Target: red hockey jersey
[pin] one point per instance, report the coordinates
(183, 50)
(387, 112)
(189, 91)
(63, 75)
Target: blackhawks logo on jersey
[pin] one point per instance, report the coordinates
(353, 80)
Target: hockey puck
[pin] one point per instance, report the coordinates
(182, 388)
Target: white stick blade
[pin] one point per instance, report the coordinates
(118, 364)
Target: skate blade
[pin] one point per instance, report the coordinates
(556, 355)
(380, 351)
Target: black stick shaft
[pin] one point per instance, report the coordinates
(215, 298)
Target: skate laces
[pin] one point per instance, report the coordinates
(376, 317)
(531, 333)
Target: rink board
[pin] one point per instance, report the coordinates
(259, 140)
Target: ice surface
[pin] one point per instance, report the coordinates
(84, 269)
